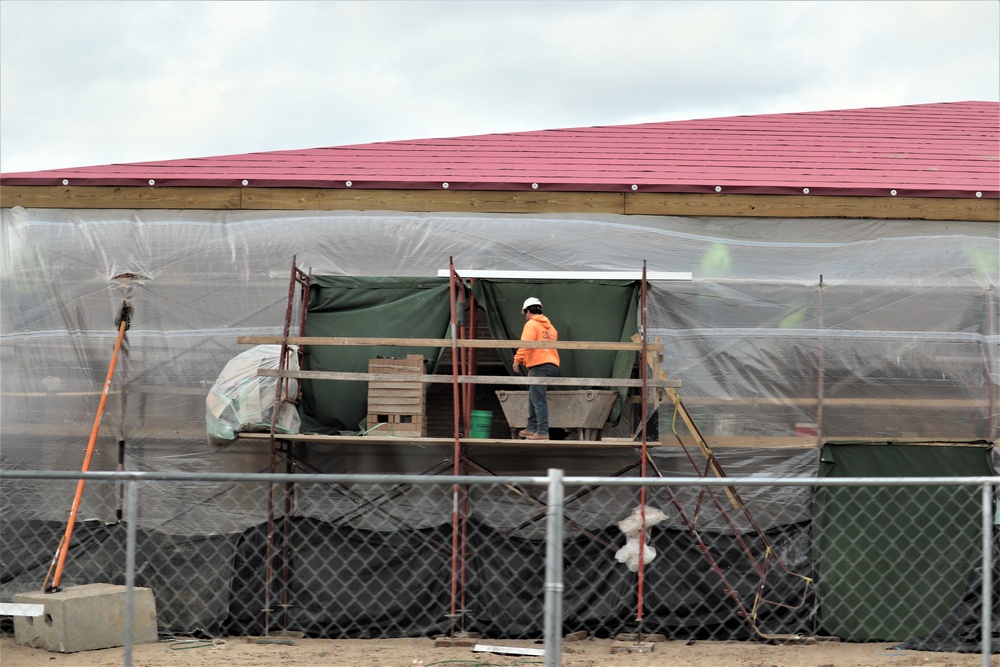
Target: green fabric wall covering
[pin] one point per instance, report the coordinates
(590, 310)
(892, 561)
(419, 308)
(367, 308)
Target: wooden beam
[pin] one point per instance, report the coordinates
(106, 196)
(498, 201)
(922, 403)
(447, 201)
(160, 431)
(446, 342)
(462, 379)
(791, 442)
(366, 440)
(755, 441)
(809, 206)
(566, 275)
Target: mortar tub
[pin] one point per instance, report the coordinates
(584, 411)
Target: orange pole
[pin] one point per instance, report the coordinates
(64, 544)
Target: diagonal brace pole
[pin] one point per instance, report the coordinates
(59, 560)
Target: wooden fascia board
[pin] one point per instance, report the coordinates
(813, 206)
(499, 201)
(110, 196)
(430, 201)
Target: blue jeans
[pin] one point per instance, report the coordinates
(538, 402)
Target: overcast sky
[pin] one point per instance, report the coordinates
(90, 83)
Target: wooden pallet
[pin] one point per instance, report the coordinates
(397, 408)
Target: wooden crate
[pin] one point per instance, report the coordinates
(383, 425)
(399, 406)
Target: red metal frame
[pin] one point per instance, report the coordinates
(302, 280)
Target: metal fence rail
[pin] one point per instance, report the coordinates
(536, 555)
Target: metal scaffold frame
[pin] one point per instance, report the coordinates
(282, 394)
(463, 345)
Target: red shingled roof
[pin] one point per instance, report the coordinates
(925, 150)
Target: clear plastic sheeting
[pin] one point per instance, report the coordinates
(848, 328)
(242, 401)
(844, 361)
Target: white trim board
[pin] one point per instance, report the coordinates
(21, 609)
(568, 275)
(508, 650)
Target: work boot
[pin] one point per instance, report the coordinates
(524, 433)
(537, 436)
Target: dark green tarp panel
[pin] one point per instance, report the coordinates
(345, 306)
(873, 546)
(584, 310)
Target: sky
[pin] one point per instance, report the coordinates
(93, 83)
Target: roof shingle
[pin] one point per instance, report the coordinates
(928, 150)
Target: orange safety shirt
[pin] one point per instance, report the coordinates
(537, 328)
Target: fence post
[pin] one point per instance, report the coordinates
(131, 514)
(554, 570)
(987, 570)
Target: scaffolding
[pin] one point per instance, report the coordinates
(655, 389)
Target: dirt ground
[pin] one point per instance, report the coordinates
(240, 651)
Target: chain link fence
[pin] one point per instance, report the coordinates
(374, 556)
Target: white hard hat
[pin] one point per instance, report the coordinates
(530, 301)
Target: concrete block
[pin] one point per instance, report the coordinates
(84, 618)
(449, 642)
(633, 637)
(632, 647)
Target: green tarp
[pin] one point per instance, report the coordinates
(365, 308)
(891, 562)
(588, 310)
(342, 306)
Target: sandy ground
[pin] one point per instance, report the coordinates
(423, 653)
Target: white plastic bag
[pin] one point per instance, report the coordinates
(629, 554)
(631, 526)
(242, 401)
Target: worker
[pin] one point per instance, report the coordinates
(540, 362)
